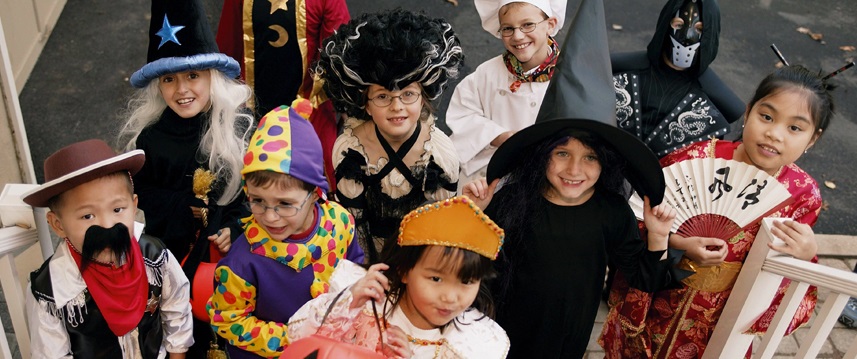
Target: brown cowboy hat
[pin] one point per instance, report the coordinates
(79, 163)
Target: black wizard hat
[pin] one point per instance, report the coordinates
(180, 39)
(581, 97)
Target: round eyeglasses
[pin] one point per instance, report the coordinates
(384, 100)
(282, 210)
(526, 28)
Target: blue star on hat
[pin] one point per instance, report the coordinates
(168, 32)
(196, 51)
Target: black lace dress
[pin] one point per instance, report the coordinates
(380, 194)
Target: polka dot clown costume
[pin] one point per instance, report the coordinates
(263, 281)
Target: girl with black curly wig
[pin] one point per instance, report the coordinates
(384, 70)
(562, 207)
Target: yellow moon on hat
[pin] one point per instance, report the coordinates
(282, 36)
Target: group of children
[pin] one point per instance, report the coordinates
(378, 267)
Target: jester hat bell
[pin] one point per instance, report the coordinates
(180, 39)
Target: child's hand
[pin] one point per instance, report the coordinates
(480, 192)
(197, 211)
(221, 240)
(798, 237)
(659, 221)
(703, 250)
(371, 286)
(394, 343)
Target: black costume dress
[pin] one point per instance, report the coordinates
(165, 184)
(667, 108)
(380, 195)
(552, 278)
(164, 187)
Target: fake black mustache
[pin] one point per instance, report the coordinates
(97, 238)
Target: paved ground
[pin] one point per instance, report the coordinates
(80, 82)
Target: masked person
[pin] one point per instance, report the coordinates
(668, 96)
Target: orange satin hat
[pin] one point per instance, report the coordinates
(455, 222)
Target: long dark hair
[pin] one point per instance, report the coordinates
(471, 266)
(525, 187)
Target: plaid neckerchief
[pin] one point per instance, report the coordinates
(543, 73)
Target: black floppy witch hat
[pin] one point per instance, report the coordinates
(581, 97)
(180, 39)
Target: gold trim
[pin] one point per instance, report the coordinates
(485, 238)
(684, 306)
(715, 278)
(712, 145)
(300, 29)
(249, 50)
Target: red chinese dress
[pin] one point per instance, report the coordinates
(677, 323)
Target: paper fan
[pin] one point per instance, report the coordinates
(717, 198)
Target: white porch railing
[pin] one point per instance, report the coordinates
(756, 286)
(22, 229)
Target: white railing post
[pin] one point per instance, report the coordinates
(751, 295)
(45, 242)
(17, 236)
(757, 285)
(822, 325)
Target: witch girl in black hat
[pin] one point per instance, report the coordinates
(562, 207)
(188, 115)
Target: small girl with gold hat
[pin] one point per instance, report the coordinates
(433, 289)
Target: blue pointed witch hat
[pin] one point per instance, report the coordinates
(180, 39)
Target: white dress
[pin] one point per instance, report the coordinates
(482, 107)
(475, 336)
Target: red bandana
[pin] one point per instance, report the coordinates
(120, 292)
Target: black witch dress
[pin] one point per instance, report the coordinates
(165, 184)
(550, 278)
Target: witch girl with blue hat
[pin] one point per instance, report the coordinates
(188, 113)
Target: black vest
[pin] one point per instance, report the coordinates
(88, 333)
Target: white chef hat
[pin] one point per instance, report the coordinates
(489, 12)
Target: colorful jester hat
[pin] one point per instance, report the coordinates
(285, 142)
(455, 222)
(180, 40)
